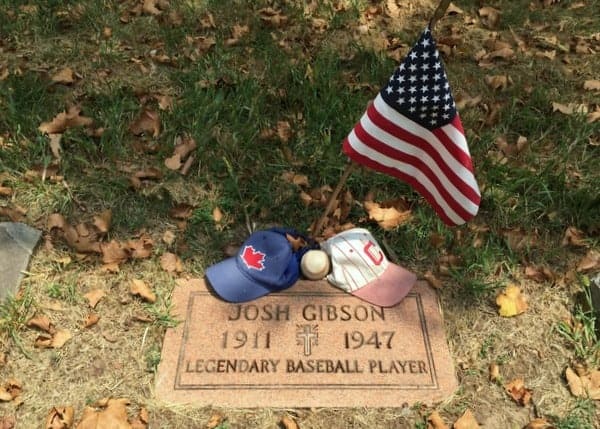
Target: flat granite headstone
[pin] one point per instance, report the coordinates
(17, 242)
(311, 345)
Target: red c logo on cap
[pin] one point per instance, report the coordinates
(377, 258)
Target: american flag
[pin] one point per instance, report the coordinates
(412, 131)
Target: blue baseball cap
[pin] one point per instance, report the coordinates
(266, 262)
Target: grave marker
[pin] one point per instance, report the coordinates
(310, 345)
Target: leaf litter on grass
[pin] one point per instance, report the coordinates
(503, 56)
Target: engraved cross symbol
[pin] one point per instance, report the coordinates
(308, 336)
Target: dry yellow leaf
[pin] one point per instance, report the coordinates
(584, 386)
(511, 301)
(289, 423)
(466, 421)
(387, 217)
(569, 109)
(65, 76)
(141, 289)
(436, 422)
(494, 372)
(592, 85)
(214, 421)
(94, 296)
(169, 237)
(539, 423)
(60, 418)
(217, 215)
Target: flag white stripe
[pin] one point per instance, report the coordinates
(407, 169)
(403, 122)
(400, 145)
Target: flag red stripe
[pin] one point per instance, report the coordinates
(361, 159)
(456, 151)
(418, 164)
(423, 144)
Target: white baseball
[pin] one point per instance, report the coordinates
(315, 264)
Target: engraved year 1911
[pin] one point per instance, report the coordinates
(241, 338)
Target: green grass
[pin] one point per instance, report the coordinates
(581, 416)
(225, 98)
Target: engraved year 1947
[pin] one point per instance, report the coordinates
(358, 339)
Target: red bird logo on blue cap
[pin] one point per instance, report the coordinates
(253, 259)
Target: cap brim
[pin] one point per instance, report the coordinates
(230, 284)
(389, 288)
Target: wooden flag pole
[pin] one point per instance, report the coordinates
(437, 14)
(350, 167)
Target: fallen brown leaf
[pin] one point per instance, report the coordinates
(592, 85)
(499, 82)
(214, 421)
(8, 421)
(574, 237)
(169, 237)
(584, 386)
(5, 191)
(114, 252)
(289, 423)
(90, 320)
(10, 390)
(494, 372)
(171, 263)
(466, 421)
(55, 146)
(591, 261)
(141, 289)
(65, 76)
(387, 217)
(60, 418)
(181, 211)
(42, 323)
(149, 7)
(65, 120)
(148, 121)
(94, 296)
(433, 280)
(107, 413)
(56, 341)
(518, 392)
(436, 422)
(103, 221)
(142, 419)
(569, 109)
(539, 423)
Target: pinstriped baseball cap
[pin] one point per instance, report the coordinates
(359, 267)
